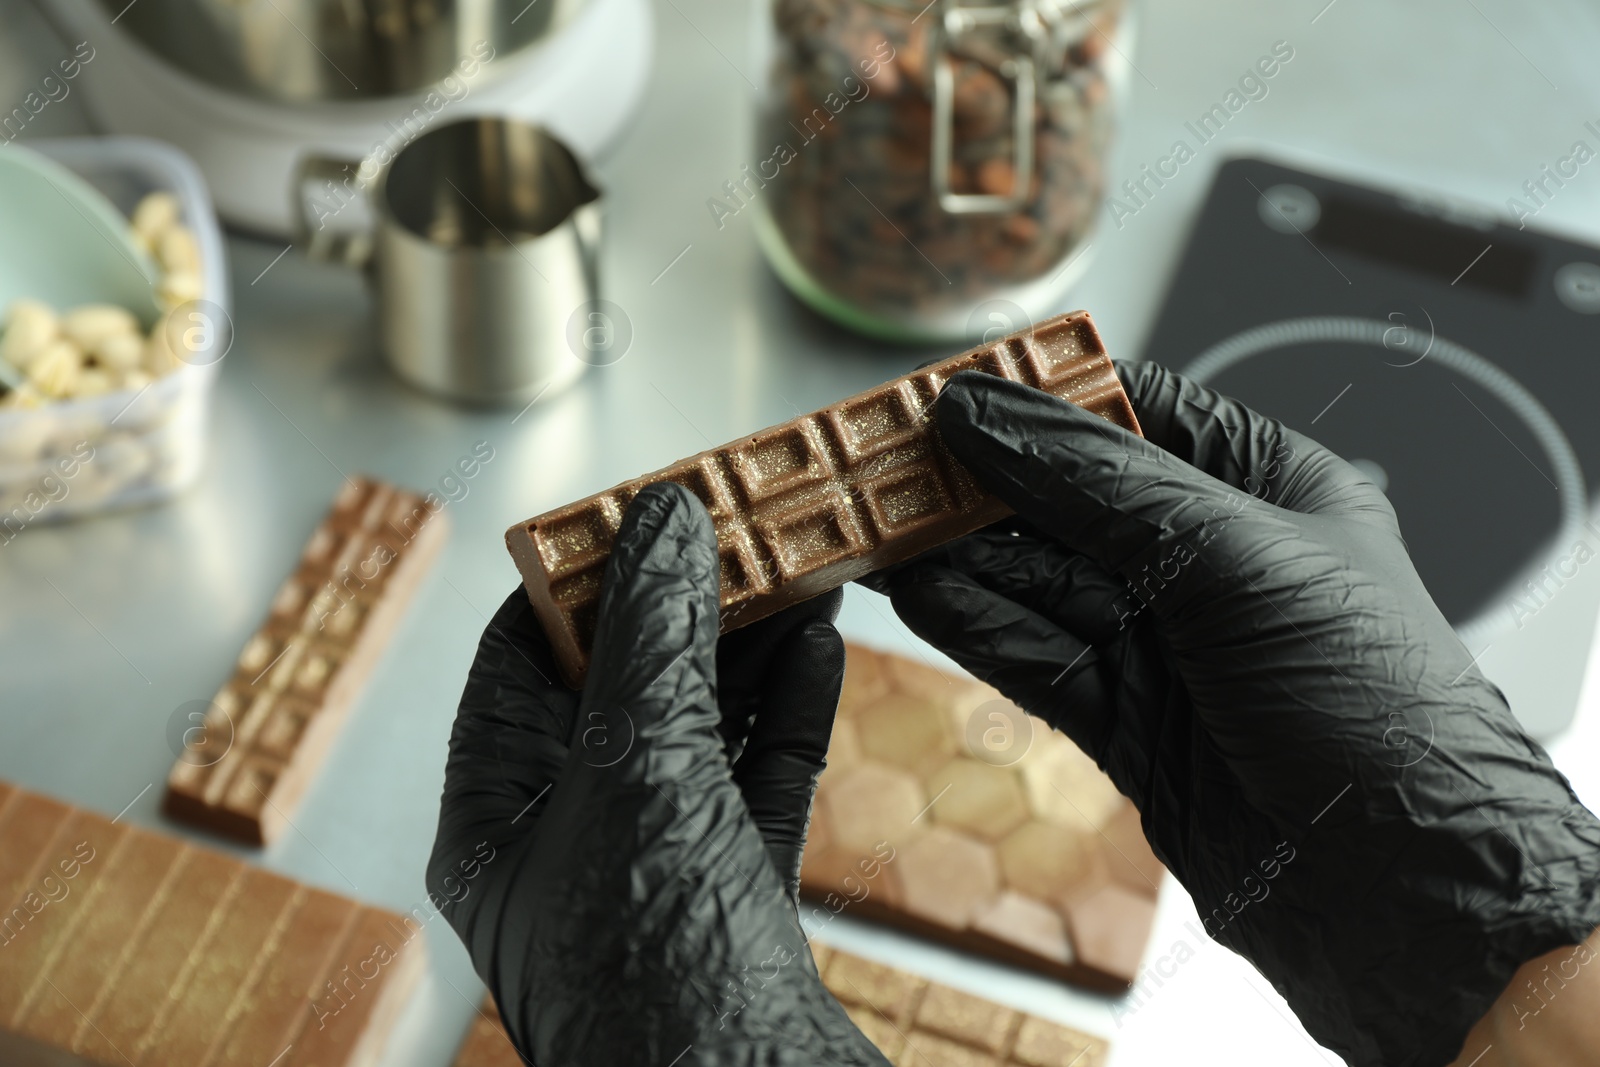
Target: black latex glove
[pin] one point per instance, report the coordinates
(1224, 616)
(622, 862)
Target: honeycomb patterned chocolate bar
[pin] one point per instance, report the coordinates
(246, 765)
(946, 811)
(914, 1023)
(805, 507)
(121, 946)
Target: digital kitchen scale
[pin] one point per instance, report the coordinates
(1453, 358)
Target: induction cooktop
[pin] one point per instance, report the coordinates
(1453, 358)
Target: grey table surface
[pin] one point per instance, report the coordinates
(109, 625)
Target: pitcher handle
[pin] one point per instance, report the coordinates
(326, 188)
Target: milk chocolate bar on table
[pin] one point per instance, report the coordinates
(946, 811)
(805, 507)
(120, 946)
(912, 1021)
(245, 768)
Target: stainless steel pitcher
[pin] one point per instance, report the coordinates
(483, 249)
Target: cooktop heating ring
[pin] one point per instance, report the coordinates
(1349, 330)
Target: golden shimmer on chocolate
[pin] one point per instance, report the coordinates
(246, 766)
(805, 507)
(913, 1022)
(119, 946)
(947, 811)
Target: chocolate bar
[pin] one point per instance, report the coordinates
(805, 507)
(946, 811)
(912, 1021)
(119, 946)
(246, 765)
(917, 1022)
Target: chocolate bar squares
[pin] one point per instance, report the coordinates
(912, 1021)
(946, 811)
(805, 507)
(119, 946)
(918, 1023)
(245, 768)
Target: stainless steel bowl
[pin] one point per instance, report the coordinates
(304, 51)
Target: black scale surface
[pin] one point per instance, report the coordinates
(1474, 489)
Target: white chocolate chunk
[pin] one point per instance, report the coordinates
(155, 214)
(159, 358)
(55, 372)
(179, 287)
(119, 352)
(30, 326)
(91, 324)
(179, 251)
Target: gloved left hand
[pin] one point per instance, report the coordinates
(1223, 615)
(622, 863)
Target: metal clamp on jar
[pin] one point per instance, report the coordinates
(922, 161)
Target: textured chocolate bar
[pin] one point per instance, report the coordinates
(946, 811)
(805, 507)
(912, 1021)
(917, 1022)
(119, 946)
(246, 766)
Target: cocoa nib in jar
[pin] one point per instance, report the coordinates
(877, 212)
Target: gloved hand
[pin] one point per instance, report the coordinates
(1223, 616)
(622, 863)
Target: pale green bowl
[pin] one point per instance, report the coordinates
(64, 243)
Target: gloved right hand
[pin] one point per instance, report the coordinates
(1223, 615)
(622, 862)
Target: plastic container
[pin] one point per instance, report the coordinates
(917, 162)
(74, 457)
